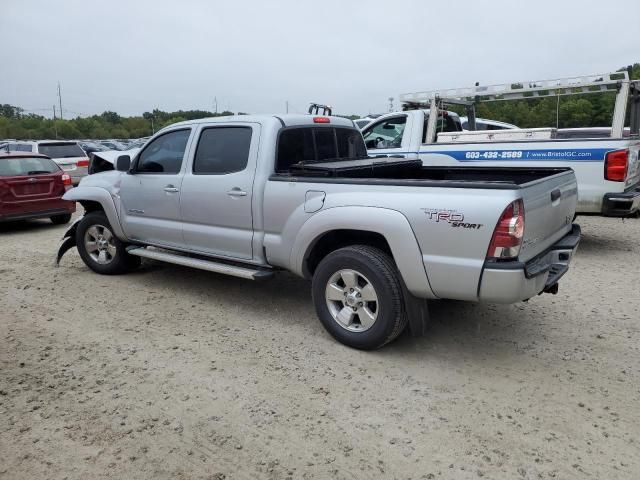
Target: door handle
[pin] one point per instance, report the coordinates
(236, 192)
(171, 189)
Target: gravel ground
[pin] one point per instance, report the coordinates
(175, 373)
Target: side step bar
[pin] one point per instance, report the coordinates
(209, 265)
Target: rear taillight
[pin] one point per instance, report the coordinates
(66, 181)
(616, 164)
(83, 163)
(508, 234)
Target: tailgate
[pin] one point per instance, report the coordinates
(30, 188)
(549, 208)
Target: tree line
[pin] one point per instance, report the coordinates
(14, 123)
(563, 112)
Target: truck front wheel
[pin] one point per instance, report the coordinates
(358, 297)
(100, 249)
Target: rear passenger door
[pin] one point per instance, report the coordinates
(217, 191)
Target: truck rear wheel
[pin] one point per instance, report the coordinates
(358, 297)
(100, 249)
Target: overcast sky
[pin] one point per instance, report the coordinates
(132, 56)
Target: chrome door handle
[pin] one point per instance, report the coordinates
(171, 189)
(236, 192)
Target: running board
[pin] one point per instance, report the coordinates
(209, 265)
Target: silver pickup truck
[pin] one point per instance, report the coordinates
(250, 195)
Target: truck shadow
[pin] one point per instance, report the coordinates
(28, 226)
(604, 243)
(480, 329)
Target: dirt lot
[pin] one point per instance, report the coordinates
(175, 373)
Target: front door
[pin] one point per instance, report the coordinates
(217, 191)
(150, 194)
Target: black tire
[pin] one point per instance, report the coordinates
(118, 263)
(380, 270)
(61, 219)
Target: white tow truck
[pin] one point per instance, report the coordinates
(607, 169)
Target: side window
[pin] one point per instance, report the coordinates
(222, 150)
(385, 134)
(164, 154)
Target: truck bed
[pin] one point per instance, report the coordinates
(413, 172)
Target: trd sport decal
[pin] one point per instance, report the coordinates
(452, 217)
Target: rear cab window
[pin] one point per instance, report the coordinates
(317, 144)
(445, 123)
(61, 150)
(19, 166)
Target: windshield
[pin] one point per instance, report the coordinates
(311, 144)
(61, 150)
(13, 167)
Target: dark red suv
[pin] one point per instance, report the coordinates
(31, 186)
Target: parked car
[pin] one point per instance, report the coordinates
(32, 186)
(113, 144)
(485, 124)
(67, 154)
(589, 132)
(364, 121)
(247, 196)
(90, 147)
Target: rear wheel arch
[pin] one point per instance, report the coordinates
(374, 224)
(334, 240)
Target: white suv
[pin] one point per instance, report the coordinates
(68, 154)
(485, 124)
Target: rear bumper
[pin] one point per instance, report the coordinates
(621, 204)
(512, 282)
(41, 214)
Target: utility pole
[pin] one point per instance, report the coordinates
(390, 104)
(60, 99)
(55, 127)
(287, 106)
(215, 105)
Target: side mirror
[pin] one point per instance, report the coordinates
(123, 163)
